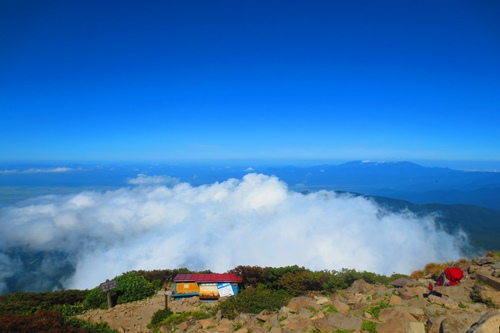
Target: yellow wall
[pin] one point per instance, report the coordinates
(209, 290)
(186, 287)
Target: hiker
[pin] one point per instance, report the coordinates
(450, 277)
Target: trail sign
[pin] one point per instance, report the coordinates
(108, 285)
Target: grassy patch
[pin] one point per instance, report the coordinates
(329, 308)
(375, 310)
(369, 326)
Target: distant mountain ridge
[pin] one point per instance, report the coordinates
(481, 224)
(398, 180)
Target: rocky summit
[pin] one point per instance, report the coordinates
(405, 305)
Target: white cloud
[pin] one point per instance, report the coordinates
(252, 221)
(9, 266)
(27, 171)
(143, 179)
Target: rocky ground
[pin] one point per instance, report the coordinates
(403, 306)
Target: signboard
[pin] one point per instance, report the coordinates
(108, 285)
(225, 289)
(208, 290)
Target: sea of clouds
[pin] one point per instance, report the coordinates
(158, 222)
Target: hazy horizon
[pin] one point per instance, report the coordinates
(480, 165)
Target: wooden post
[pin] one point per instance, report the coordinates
(110, 305)
(106, 287)
(166, 299)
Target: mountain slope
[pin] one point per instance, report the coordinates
(398, 180)
(481, 224)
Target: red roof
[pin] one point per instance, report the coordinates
(226, 277)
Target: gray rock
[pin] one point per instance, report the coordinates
(414, 327)
(459, 293)
(397, 313)
(334, 321)
(483, 261)
(491, 296)
(434, 310)
(401, 282)
(416, 302)
(273, 321)
(453, 325)
(392, 325)
(485, 276)
(322, 300)
(305, 313)
(340, 306)
(296, 323)
(360, 286)
(416, 312)
(302, 302)
(488, 323)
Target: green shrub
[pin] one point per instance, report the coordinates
(49, 321)
(300, 282)
(30, 302)
(131, 287)
(329, 308)
(369, 326)
(159, 316)
(252, 301)
(167, 275)
(375, 310)
(172, 319)
(252, 276)
(275, 274)
(156, 284)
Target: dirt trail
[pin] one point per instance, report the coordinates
(131, 317)
(134, 317)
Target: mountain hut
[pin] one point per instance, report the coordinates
(206, 286)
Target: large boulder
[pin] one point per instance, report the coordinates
(297, 303)
(335, 321)
(459, 293)
(340, 306)
(296, 322)
(396, 313)
(360, 286)
(485, 276)
(399, 283)
(394, 325)
(458, 323)
(488, 323)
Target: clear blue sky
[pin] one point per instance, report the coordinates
(163, 80)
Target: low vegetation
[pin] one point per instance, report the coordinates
(49, 321)
(253, 301)
(433, 270)
(263, 288)
(131, 287)
(30, 302)
(299, 280)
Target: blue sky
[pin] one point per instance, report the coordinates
(310, 80)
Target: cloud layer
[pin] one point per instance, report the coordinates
(253, 221)
(51, 170)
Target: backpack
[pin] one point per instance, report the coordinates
(450, 277)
